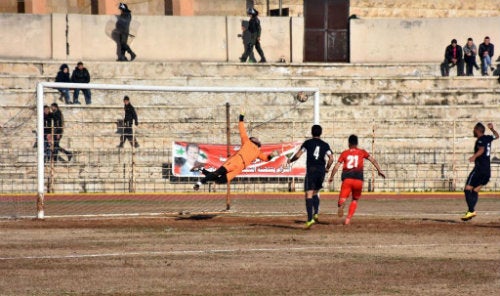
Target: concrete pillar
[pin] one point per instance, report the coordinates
(36, 6)
(108, 7)
(183, 7)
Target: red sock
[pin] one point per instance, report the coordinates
(352, 208)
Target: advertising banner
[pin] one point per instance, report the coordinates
(187, 155)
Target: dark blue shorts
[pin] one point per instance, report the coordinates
(314, 180)
(478, 178)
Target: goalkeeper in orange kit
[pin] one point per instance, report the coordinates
(249, 151)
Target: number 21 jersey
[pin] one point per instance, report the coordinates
(353, 163)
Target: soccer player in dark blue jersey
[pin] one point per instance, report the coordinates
(316, 168)
(481, 172)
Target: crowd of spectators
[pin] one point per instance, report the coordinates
(458, 56)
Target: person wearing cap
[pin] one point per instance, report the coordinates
(81, 75)
(236, 163)
(453, 56)
(128, 122)
(255, 30)
(123, 31)
(246, 37)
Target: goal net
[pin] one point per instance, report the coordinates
(177, 127)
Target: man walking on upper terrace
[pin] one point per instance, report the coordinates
(123, 32)
(255, 30)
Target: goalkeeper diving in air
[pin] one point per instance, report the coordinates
(236, 163)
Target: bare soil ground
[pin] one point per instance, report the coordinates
(393, 247)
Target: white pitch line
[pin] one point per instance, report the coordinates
(215, 251)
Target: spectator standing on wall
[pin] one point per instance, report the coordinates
(470, 52)
(81, 75)
(63, 76)
(255, 30)
(453, 56)
(123, 31)
(246, 36)
(486, 52)
(128, 121)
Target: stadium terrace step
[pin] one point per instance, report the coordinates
(211, 69)
(329, 97)
(326, 84)
(405, 107)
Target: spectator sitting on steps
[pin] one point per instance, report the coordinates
(486, 52)
(63, 76)
(81, 75)
(453, 56)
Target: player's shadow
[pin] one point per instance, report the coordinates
(273, 225)
(319, 222)
(196, 217)
(442, 220)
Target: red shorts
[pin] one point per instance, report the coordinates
(351, 185)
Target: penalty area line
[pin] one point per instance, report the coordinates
(226, 251)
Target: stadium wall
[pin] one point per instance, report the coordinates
(415, 40)
(214, 38)
(164, 38)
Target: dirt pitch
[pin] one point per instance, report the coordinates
(408, 246)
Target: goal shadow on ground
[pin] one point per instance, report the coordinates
(197, 217)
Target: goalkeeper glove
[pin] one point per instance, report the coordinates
(242, 117)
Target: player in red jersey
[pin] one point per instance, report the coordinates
(352, 176)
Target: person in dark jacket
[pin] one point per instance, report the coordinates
(63, 76)
(470, 52)
(453, 56)
(128, 121)
(246, 37)
(486, 52)
(122, 32)
(47, 132)
(58, 125)
(81, 75)
(255, 30)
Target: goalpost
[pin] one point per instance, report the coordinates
(54, 85)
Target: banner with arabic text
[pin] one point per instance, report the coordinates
(187, 155)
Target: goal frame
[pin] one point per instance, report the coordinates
(40, 103)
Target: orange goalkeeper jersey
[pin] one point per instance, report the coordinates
(248, 151)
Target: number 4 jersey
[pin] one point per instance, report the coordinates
(353, 163)
(316, 150)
